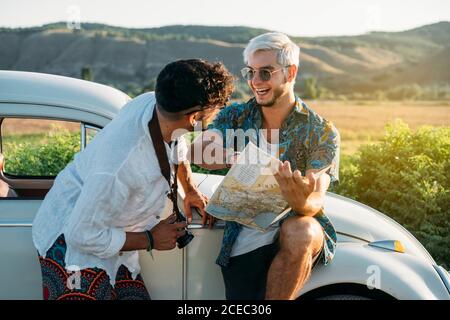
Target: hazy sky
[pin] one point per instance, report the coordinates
(295, 17)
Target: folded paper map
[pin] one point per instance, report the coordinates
(249, 193)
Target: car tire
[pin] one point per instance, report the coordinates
(343, 297)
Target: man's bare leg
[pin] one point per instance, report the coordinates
(301, 238)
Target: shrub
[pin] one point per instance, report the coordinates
(406, 177)
(197, 169)
(42, 159)
(311, 91)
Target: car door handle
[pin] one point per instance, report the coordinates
(193, 226)
(196, 226)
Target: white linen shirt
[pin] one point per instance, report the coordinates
(114, 186)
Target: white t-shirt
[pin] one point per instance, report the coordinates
(114, 186)
(250, 239)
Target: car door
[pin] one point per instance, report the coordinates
(203, 278)
(26, 130)
(29, 139)
(189, 273)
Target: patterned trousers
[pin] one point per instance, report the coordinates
(91, 284)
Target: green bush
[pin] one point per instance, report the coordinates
(48, 159)
(197, 169)
(406, 177)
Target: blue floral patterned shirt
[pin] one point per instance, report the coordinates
(306, 140)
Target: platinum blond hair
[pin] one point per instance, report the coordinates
(288, 53)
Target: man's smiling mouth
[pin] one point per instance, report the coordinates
(261, 92)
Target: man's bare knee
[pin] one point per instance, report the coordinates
(299, 234)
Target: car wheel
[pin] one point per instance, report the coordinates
(343, 297)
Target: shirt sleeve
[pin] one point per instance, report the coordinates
(180, 151)
(90, 227)
(222, 122)
(324, 150)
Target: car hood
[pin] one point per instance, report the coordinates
(350, 218)
(360, 221)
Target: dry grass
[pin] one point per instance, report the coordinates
(11, 126)
(364, 122)
(358, 122)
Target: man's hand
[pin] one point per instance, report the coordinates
(196, 199)
(295, 188)
(166, 233)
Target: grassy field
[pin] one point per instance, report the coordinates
(32, 131)
(361, 122)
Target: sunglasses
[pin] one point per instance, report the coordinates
(265, 74)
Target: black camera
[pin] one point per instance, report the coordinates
(183, 240)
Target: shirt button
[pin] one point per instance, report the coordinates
(158, 217)
(121, 254)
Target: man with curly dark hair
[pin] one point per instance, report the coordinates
(108, 202)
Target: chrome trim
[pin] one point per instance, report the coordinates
(195, 226)
(352, 236)
(88, 126)
(184, 274)
(444, 275)
(198, 226)
(83, 136)
(15, 225)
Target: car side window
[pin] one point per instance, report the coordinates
(41, 147)
(88, 133)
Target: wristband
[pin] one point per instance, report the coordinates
(150, 240)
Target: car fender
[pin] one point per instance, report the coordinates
(401, 275)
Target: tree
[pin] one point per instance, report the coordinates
(311, 88)
(86, 73)
(150, 86)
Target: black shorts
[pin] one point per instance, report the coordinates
(245, 277)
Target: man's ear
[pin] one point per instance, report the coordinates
(292, 72)
(193, 117)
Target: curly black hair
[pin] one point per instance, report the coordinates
(185, 84)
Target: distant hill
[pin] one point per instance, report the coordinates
(132, 57)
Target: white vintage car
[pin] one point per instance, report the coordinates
(376, 258)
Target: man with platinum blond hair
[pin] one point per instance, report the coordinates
(275, 264)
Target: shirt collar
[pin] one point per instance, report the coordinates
(300, 110)
(300, 107)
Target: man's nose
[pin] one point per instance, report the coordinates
(257, 78)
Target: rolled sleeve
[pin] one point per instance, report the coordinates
(91, 226)
(117, 238)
